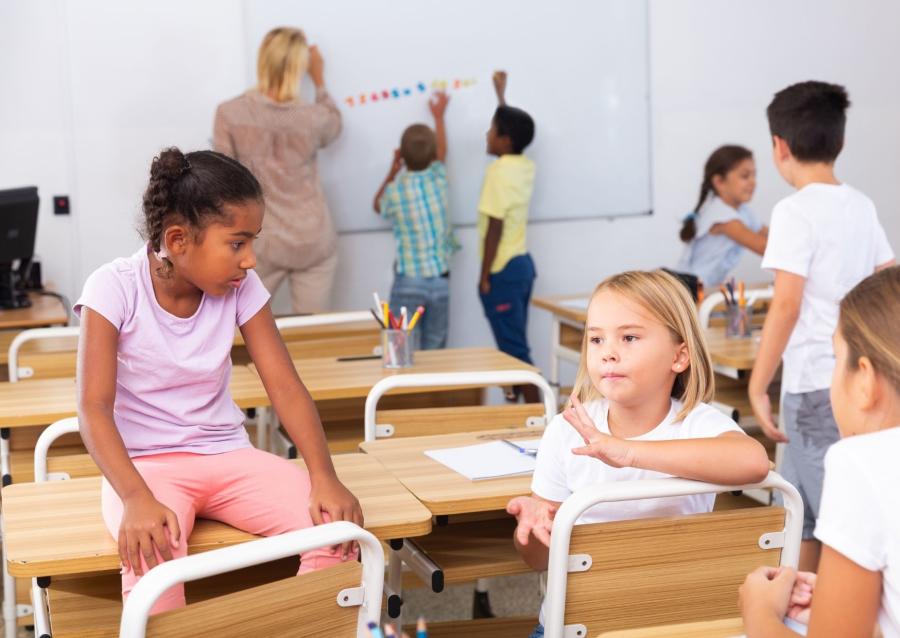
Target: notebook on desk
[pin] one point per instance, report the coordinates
(497, 459)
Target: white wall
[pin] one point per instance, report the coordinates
(715, 65)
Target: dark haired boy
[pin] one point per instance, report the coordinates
(416, 202)
(823, 240)
(507, 270)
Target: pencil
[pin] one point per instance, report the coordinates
(415, 319)
(375, 314)
(421, 629)
(374, 631)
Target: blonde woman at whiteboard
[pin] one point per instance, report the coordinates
(722, 225)
(276, 134)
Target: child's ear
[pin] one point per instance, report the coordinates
(866, 389)
(780, 148)
(682, 359)
(175, 239)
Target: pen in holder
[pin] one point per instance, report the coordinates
(397, 347)
(738, 325)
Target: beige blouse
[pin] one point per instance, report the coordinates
(278, 141)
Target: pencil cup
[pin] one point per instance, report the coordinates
(397, 347)
(739, 324)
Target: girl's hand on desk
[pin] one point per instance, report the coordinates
(612, 450)
(762, 410)
(329, 496)
(147, 525)
(534, 516)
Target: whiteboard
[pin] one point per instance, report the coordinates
(579, 67)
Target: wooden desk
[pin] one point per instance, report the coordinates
(732, 357)
(440, 489)
(725, 628)
(56, 528)
(330, 378)
(332, 340)
(43, 401)
(44, 311)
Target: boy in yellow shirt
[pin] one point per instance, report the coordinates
(507, 270)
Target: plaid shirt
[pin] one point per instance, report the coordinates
(416, 202)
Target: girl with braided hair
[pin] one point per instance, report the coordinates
(154, 365)
(721, 225)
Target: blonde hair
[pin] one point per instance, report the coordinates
(667, 300)
(868, 323)
(282, 61)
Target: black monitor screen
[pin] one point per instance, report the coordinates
(18, 223)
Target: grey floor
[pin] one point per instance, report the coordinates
(510, 596)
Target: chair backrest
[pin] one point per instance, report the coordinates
(458, 379)
(339, 601)
(645, 572)
(63, 359)
(714, 299)
(42, 448)
(322, 319)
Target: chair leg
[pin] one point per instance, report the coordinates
(481, 602)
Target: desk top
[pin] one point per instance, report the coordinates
(44, 311)
(725, 628)
(734, 353)
(329, 378)
(328, 331)
(575, 310)
(57, 528)
(43, 401)
(442, 490)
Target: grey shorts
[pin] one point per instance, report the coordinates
(809, 424)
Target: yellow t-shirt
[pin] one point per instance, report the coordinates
(505, 195)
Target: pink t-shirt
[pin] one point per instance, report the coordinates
(172, 381)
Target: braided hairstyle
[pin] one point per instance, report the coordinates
(191, 190)
(722, 161)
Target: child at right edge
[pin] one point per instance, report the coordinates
(823, 240)
(640, 410)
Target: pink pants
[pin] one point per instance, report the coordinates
(249, 489)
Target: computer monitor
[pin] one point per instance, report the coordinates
(18, 228)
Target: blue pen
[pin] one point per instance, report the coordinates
(374, 631)
(523, 450)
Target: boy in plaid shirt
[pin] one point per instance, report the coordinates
(416, 202)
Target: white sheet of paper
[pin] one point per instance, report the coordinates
(487, 460)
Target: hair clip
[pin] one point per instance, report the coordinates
(689, 217)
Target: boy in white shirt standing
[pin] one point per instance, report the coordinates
(823, 240)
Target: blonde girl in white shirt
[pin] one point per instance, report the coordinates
(638, 411)
(858, 581)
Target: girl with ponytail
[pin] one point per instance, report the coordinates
(721, 224)
(154, 367)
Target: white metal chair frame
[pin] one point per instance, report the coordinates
(577, 503)
(11, 611)
(162, 577)
(409, 552)
(437, 379)
(716, 298)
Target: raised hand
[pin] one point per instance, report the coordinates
(612, 450)
(438, 104)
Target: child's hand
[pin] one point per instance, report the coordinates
(766, 592)
(329, 496)
(396, 163)
(147, 526)
(535, 516)
(316, 66)
(612, 450)
(438, 104)
(499, 79)
(801, 597)
(484, 286)
(762, 410)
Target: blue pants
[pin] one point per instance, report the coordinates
(434, 294)
(538, 631)
(506, 306)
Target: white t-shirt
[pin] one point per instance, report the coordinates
(830, 235)
(859, 515)
(558, 473)
(713, 257)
